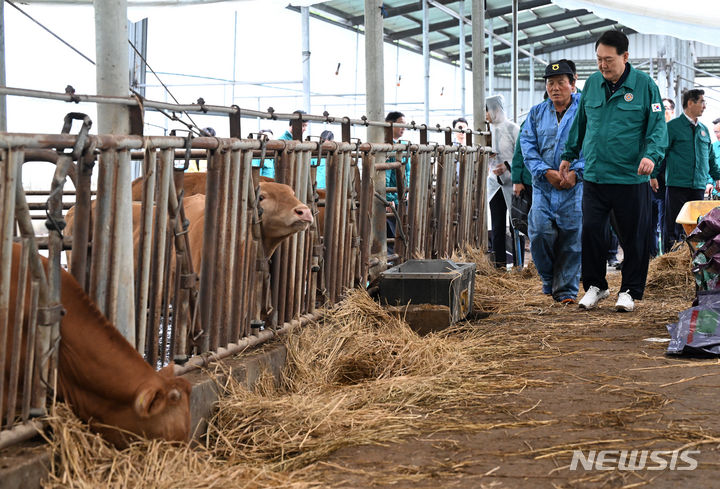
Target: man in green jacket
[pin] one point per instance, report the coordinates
(621, 130)
(689, 163)
(716, 144)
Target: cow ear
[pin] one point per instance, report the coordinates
(149, 402)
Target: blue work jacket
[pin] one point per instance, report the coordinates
(543, 139)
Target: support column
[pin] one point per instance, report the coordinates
(374, 68)
(514, 57)
(112, 75)
(3, 98)
(478, 76)
(426, 57)
(461, 11)
(491, 58)
(374, 107)
(305, 13)
(532, 75)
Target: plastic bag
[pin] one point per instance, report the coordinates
(698, 330)
(519, 211)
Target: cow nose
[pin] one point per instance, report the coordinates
(303, 213)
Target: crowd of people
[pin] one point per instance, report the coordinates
(613, 164)
(610, 164)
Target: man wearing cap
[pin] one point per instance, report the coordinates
(553, 224)
(689, 163)
(621, 130)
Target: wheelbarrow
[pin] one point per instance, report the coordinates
(691, 212)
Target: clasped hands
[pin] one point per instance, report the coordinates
(562, 178)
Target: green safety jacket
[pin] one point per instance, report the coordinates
(518, 170)
(689, 158)
(615, 134)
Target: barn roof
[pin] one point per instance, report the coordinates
(543, 25)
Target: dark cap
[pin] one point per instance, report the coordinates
(559, 68)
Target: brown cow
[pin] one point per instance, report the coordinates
(196, 182)
(103, 378)
(283, 215)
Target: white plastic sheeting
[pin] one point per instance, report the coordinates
(695, 20)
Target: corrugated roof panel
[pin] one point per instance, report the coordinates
(564, 34)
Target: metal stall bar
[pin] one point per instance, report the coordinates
(185, 286)
(8, 174)
(218, 324)
(347, 251)
(83, 220)
(232, 244)
(332, 180)
(304, 238)
(341, 208)
(443, 202)
(144, 242)
(17, 333)
(209, 254)
(158, 253)
(46, 345)
(245, 253)
(102, 226)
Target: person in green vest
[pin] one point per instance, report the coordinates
(716, 144)
(287, 135)
(522, 192)
(689, 163)
(390, 178)
(621, 131)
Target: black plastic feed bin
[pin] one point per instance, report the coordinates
(437, 282)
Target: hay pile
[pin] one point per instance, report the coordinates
(671, 275)
(82, 459)
(362, 376)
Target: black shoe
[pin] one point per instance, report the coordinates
(613, 262)
(619, 266)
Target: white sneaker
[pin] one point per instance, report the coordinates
(625, 302)
(592, 297)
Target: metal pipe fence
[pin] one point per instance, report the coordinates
(204, 287)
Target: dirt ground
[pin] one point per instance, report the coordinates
(593, 381)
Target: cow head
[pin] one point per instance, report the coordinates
(160, 409)
(282, 214)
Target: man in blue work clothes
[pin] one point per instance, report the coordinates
(553, 224)
(689, 163)
(621, 130)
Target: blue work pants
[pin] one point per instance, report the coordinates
(554, 225)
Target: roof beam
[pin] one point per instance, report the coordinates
(534, 39)
(331, 10)
(558, 46)
(544, 20)
(406, 9)
(567, 32)
(456, 15)
(530, 4)
(557, 34)
(416, 31)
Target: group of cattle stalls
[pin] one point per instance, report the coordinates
(232, 294)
